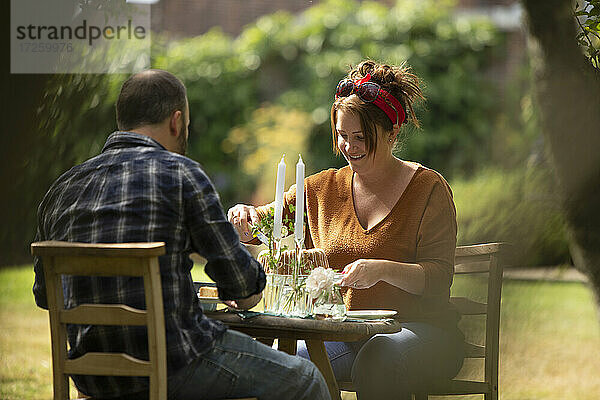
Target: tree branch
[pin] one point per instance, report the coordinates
(583, 31)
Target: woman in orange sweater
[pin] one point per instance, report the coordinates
(390, 225)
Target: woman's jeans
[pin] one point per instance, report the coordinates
(398, 364)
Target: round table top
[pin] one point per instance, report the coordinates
(262, 325)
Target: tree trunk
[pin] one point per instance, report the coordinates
(21, 95)
(568, 90)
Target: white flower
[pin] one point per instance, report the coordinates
(320, 281)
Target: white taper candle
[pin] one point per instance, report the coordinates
(299, 225)
(279, 199)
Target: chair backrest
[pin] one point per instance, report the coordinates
(483, 259)
(122, 259)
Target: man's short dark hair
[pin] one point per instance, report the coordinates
(148, 98)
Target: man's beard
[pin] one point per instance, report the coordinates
(182, 142)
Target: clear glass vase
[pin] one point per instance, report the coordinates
(330, 305)
(295, 302)
(273, 292)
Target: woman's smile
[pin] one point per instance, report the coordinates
(356, 157)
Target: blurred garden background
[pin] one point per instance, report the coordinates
(261, 88)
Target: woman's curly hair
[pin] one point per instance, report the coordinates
(399, 81)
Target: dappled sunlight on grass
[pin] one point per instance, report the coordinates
(549, 340)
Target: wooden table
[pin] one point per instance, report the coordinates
(313, 332)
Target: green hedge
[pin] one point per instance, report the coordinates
(292, 63)
(518, 207)
(295, 61)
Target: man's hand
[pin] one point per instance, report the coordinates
(244, 304)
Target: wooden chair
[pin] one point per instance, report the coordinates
(127, 259)
(475, 259)
(120, 259)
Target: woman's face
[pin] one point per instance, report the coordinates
(351, 143)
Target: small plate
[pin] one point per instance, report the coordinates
(371, 314)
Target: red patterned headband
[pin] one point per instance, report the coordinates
(371, 92)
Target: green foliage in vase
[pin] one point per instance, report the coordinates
(265, 226)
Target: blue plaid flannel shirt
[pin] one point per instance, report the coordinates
(137, 191)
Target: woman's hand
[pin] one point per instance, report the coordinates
(362, 274)
(241, 216)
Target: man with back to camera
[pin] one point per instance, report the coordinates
(141, 188)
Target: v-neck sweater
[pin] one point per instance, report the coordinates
(420, 229)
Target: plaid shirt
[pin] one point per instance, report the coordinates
(137, 191)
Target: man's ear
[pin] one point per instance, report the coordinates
(176, 118)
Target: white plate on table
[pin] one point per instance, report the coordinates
(370, 314)
(209, 303)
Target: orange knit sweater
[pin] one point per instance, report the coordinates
(420, 228)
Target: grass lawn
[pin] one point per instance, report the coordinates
(549, 340)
